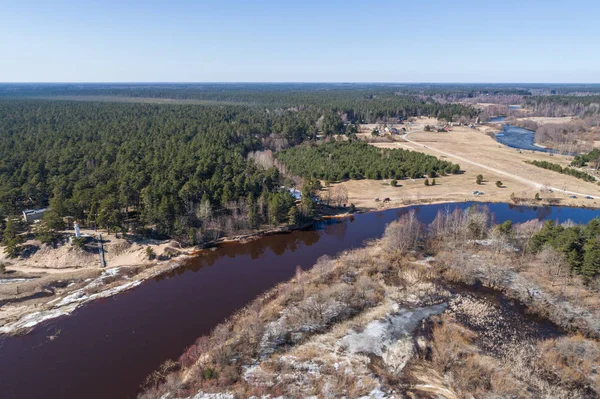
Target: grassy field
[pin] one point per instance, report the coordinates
(494, 161)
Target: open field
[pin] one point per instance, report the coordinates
(542, 120)
(476, 153)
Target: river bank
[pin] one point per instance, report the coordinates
(35, 291)
(56, 294)
(394, 322)
(127, 336)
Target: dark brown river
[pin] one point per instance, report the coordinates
(106, 348)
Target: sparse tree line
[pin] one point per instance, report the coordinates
(574, 136)
(564, 105)
(577, 245)
(563, 170)
(341, 160)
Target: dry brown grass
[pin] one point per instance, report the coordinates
(290, 340)
(476, 146)
(571, 360)
(526, 371)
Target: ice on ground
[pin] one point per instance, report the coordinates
(13, 280)
(379, 335)
(203, 395)
(375, 394)
(33, 319)
(62, 306)
(111, 272)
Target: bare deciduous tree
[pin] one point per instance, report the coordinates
(340, 195)
(403, 235)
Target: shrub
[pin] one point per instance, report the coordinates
(537, 197)
(394, 183)
(479, 179)
(498, 184)
(403, 234)
(433, 182)
(506, 228)
(79, 242)
(209, 373)
(426, 182)
(2, 268)
(150, 253)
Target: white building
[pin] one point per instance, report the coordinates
(31, 215)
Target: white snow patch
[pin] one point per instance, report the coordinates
(379, 335)
(375, 394)
(76, 296)
(111, 272)
(13, 280)
(63, 306)
(203, 395)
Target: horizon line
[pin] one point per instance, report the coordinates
(298, 82)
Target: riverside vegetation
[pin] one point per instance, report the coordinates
(399, 318)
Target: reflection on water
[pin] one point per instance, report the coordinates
(120, 340)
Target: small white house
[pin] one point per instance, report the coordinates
(31, 215)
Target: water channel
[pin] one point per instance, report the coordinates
(106, 348)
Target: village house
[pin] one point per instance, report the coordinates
(31, 215)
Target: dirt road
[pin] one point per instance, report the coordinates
(463, 159)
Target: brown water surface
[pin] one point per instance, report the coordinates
(106, 348)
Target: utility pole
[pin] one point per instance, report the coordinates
(101, 251)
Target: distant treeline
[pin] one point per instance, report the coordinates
(564, 170)
(342, 160)
(357, 103)
(563, 105)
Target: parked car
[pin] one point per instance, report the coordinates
(572, 196)
(588, 197)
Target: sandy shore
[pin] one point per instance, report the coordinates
(55, 281)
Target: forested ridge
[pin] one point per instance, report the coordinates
(181, 169)
(358, 105)
(341, 160)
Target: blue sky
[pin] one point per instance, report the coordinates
(300, 41)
